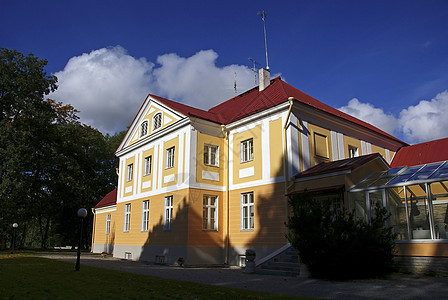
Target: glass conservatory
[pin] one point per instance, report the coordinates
(416, 197)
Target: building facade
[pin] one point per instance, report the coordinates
(205, 186)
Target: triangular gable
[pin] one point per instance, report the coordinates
(150, 110)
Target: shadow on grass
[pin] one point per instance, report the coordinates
(38, 278)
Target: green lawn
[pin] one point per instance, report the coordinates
(26, 277)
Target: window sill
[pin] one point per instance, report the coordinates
(208, 165)
(247, 161)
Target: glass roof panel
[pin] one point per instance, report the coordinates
(406, 176)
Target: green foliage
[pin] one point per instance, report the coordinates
(50, 163)
(336, 245)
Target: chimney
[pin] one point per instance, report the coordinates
(264, 78)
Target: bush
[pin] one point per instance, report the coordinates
(335, 245)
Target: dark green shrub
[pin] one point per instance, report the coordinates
(335, 245)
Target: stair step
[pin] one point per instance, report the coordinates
(286, 259)
(282, 265)
(277, 272)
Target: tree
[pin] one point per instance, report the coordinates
(336, 245)
(50, 163)
(24, 116)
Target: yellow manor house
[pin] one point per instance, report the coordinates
(201, 187)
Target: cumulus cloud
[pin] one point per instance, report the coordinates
(370, 114)
(197, 80)
(108, 85)
(425, 121)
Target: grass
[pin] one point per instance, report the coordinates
(24, 276)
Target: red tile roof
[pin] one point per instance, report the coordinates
(419, 154)
(348, 164)
(108, 200)
(254, 101)
(188, 110)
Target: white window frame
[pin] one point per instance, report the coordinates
(169, 162)
(147, 164)
(247, 211)
(167, 213)
(353, 151)
(211, 155)
(145, 215)
(210, 213)
(144, 128)
(127, 217)
(157, 121)
(129, 172)
(108, 224)
(247, 150)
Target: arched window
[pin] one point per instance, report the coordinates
(157, 121)
(144, 128)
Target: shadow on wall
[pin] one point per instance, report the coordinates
(270, 207)
(110, 241)
(186, 238)
(182, 240)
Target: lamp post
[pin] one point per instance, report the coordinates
(14, 226)
(82, 213)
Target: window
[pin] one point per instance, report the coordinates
(168, 215)
(321, 145)
(209, 213)
(169, 158)
(108, 224)
(144, 128)
(127, 217)
(247, 211)
(147, 165)
(129, 171)
(157, 121)
(247, 150)
(145, 215)
(352, 152)
(211, 155)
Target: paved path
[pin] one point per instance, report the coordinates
(396, 287)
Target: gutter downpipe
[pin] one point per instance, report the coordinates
(285, 156)
(227, 242)
(93, 231)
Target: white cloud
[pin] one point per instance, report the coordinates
(197, 80)
(108, 85)
(370, 114)
(427, 120)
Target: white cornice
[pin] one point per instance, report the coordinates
(259, 115)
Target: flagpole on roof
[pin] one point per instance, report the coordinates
(263, 17)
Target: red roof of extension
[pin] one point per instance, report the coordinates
(108, 200)
(254, 101)
(419, 154)
(348, 164)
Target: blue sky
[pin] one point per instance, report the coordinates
(383, 61)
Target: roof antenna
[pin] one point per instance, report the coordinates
(234, 82)
(263, 17)
(254, 68)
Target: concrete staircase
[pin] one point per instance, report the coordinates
(284, 263)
